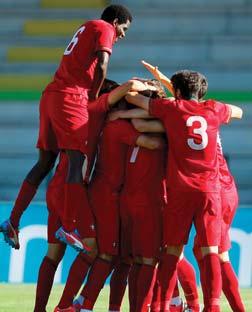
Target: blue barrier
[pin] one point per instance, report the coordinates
(22, 266)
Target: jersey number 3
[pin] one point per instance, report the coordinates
(74, 41)
(200, 131)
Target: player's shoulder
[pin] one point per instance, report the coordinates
(99, 24)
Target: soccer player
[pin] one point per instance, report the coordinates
(192, 176)
(229, 200)
(64, 119)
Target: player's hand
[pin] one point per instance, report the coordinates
(113, 116)
(137, 85)
(159, 76)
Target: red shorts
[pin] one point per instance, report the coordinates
(105, 207)
(63, 121)
(229, 205)
(185, 208)
(141, 228)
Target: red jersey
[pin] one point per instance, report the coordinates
(226, 178)
(144, 175)
(76, 70)
(192, 128)
(112, 151)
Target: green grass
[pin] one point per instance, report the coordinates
(21, 298)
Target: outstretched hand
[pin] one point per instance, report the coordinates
(140, 85)
(159, 76)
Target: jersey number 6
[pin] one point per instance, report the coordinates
(74, 41)
(200, 131)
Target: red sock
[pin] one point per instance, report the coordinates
(118, 284)
(75, 199)
(168, 277)
(145, 285)
(202, 280)
(133, 277)
(76, 276)
(96, 279)
(156, 298)
(187, 279)
(25, 195)
(44, 285)
(230, 287)
(212, 278)
(175, 291)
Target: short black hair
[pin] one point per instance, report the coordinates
(107, 86)
(190, 83)
(114, 11)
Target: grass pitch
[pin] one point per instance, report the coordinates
(21, 298)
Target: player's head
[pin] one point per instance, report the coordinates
(159, 93)
(119, 16)
(189, 84)
(107, 86)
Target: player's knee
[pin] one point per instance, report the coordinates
(175, 250)
(144, 260)
(209, 250)
(55, 252)
(106, 257)
(224, 256)
(92, 246)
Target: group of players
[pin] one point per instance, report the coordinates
(130, 182)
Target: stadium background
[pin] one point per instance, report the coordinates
(214, 37)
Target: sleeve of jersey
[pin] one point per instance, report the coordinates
(105, 38)
(224, 112)
(159, 107)
(100, 105)
(126, 133)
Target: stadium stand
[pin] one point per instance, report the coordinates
(214, 37)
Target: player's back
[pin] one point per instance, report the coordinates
(192, 129)
(144, 175)
(112, 151)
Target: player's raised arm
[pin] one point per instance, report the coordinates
(236, 112)
(154, 126)
(131, 85)
(138, 100)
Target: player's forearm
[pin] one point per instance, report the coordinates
(99, 76)
(138, 100)
(119, 92)
(150, 142)
(134, 113)
(154, 126)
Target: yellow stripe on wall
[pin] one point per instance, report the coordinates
(34, 54)
(23, 82)
(52, 27)
(73, 3)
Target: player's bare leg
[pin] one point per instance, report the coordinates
(75, 204)
(230, 285)
(27, 191)
(47, 271)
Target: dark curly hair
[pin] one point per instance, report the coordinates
(160, 93)
(107, 86)
(114, 11)
(190, 83)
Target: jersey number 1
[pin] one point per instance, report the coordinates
(200, 131)
(74, 41)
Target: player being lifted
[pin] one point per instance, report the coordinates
(64, 119)
(192, 177)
